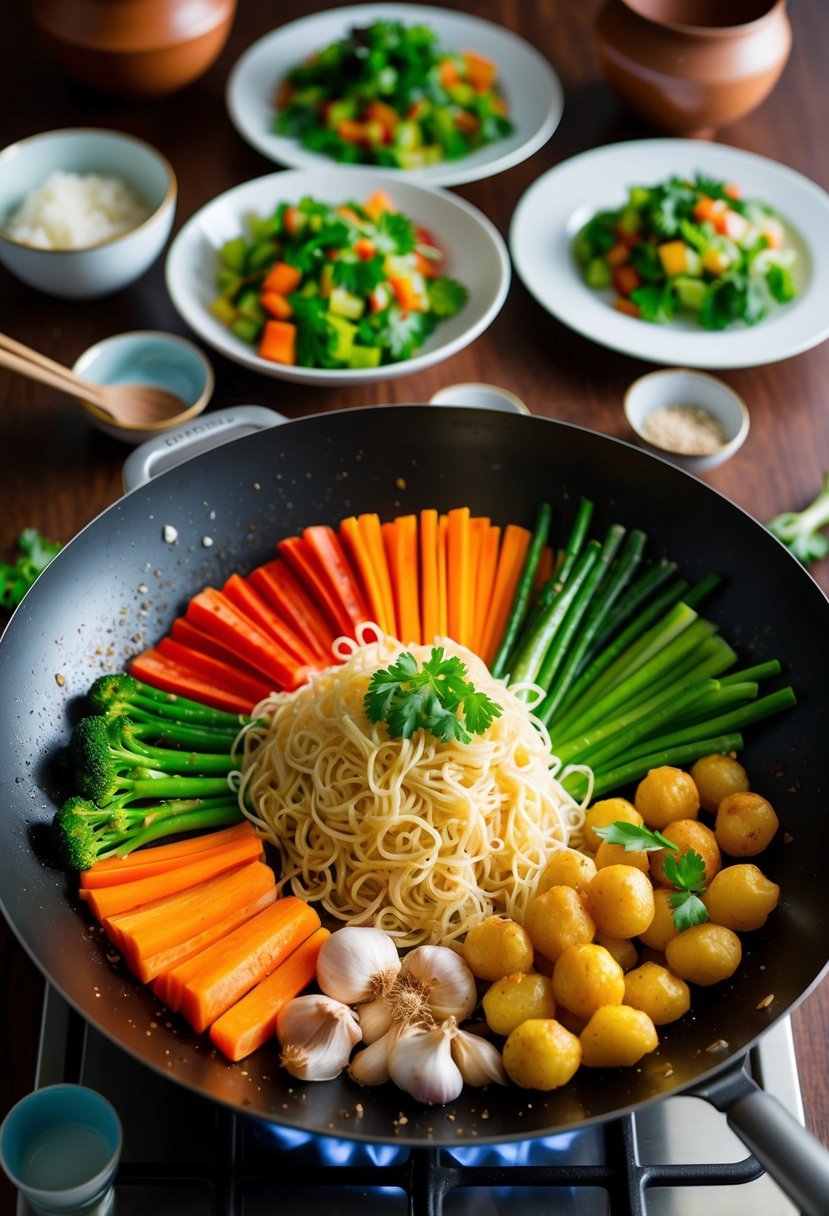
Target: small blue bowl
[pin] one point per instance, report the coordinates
(147, 357)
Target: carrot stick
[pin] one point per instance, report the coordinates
(174, 668)
(244, 596)
(459, 585)
(364, 567)
(372, 537)
(514, 547)
(157, 859)
(252, 1020)
(546, 566)
(280, 587)
(429, 606)
(303, 561)
(231, 967)
(188, 634)
(487, 565)
(443, 577)
(336, 570)
(401, 551)
(109, 901)
(165, 924)
(213, 612)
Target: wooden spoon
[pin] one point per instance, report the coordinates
(126, 404)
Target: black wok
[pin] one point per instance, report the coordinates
(118, 585)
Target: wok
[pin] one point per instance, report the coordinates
(117, 587)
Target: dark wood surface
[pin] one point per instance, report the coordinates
(57, 472)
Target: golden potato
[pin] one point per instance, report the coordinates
(567, 868)
(586, 977)
(516, 998)
(745, 824)
(662, 928)
(617, 1036)
(716, 776)
(659, 993)
(609, 810)
(666, 794)
(704, 954)
(617, 855)
(620, 900)
(741, 898)
(497, 946)
(541, 1054)
(620, 948)
(687, 834)
(557, 919)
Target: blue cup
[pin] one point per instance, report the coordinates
(60, 1146)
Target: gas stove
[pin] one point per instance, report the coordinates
(186, 1156)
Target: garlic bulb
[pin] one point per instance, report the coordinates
(317, 1035)
(371, 1065)
(421, 1064)
(357, 963)
(376, 1019)
(442, 977)
(479, 1060)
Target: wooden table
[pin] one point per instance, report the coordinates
(56, 472)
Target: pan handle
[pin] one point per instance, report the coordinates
(796, 1160)
(171, 448)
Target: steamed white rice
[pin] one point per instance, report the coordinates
(76, 210)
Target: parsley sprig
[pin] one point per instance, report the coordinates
(686, 872)
(432, 697)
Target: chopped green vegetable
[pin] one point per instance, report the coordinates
(408, 698)
(686, 872)
(16, 578)
(800, 530)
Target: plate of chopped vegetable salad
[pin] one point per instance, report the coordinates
(443, 96)
(339, 276)
(676, 251)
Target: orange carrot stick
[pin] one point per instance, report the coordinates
(459, 586)
(231, 967)
(252, 1020)
(514, 547)
(244, 596)
(169, 672)
(158, 857)
(429, 606)
(372, 536)
(443, 577)
(213, 612)
(401, 549)
(336, 570)
(364, 568)
(487, 565)
(283, 591)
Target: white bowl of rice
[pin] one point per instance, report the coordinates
(83, 212)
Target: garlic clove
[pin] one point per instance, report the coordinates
(317, 1035)
(421, 1064)
(445, 980)
(371, 1065)
(357, 963)
(479, 1060)
(376, 1019)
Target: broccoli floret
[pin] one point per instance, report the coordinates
(85, 833)
(800, 530)
(110, 762)
(119, 693)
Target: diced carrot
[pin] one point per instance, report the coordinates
(336, 569)
(480, 71)
(352, 131)
(241, 593)
(429, 607)
(231, 967)
(466, 123)
(379, 202)
(304, 562)
(401, 551)
(715, 261)
(283, 278)
(157, 858)
(425, 266)
(703, 209)
(249, 1023)
(278, 342)
(109, 901)
(294, 220)
(443, 576)
(627, 307)
(280, 587)
(487, 566)
(508, 571)
(156, 930)
(618, 254)
(173, 668)
(371, 534)
(365, 248)
(384, 114)
(626, 279)
(732, 190)
(459, 585)
(406, 293)
(276, 305)
(213, 612)
(199, 640)
(448, 73)
(364, 567)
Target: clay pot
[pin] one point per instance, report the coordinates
(134, 48)
(688, 67)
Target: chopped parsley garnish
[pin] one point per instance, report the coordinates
(436, 697)
(686, 872)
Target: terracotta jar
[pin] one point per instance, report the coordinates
(688, 67)
(134, 48)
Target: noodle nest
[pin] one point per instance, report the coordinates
(421, 838)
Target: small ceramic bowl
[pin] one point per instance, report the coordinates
(147, 357)
(103, 268)
(480, 396)
(680, 387)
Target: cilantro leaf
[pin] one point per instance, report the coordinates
(446, 296)
(395, 233)
(656, 304)
(404, 332)
(688, 910)
(359, 277)
(685, 872)
(631, 836)
(314, 336)
(432, 698)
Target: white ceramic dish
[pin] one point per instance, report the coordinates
(97, 270)
(532, 89)
(476, 255)
(554, 208)
(683, 387)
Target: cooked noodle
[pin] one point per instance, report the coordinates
(419, 837)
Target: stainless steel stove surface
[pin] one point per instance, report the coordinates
(184, 1155)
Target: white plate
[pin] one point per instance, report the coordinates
(476, 255)
(531, 87)
(558, 203)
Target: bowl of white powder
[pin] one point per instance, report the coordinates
(83, 212)
(693, 419)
